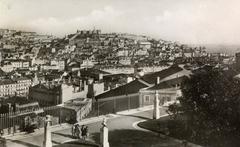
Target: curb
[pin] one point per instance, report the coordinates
(137, 110)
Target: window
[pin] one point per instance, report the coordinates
(147, 98)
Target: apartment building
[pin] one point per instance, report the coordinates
(16, 86)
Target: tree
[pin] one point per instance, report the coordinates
(211, 103)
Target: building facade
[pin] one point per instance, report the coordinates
(16, 86)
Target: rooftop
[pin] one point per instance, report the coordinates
(76, 104)
(46, 86)
(168, 84)
(129, 88)
(151, 78)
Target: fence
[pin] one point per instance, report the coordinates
(14, 122)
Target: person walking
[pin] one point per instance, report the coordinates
(83, 132)
(78, 131)
(73, 131)
(87, 134)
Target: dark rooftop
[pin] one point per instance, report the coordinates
(168, 84)
(54, 87)
(151, 78)
(129, 88)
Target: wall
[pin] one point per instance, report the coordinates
(44, 97)
(67, 93)
(81, 94)
(84, 111)
(98, 88)
(164, 97)
(116, 104)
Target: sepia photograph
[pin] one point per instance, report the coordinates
(119, 73)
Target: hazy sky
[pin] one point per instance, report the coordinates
(186, 21)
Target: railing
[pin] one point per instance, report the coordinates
(15, 122)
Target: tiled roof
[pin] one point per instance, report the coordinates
(168, 84)
(151, 78)
(129, 88)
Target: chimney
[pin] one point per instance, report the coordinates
(79, 73)
(135, 72)
(64, 81)
(69, 80)
(90, 93)
(9, 107)
(84, 83)
(80, 85)
(100, 77)
(90, 81)
(158, 80)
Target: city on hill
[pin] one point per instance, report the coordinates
(90, 74)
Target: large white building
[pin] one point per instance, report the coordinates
(59, 63)
(16, 86)
(17, 63)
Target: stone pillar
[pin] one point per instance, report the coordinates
(47, 142)
(104, 134)
(156, 112)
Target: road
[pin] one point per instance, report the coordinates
(122, 133)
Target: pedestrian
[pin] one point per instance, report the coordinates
(87, 134)
(83, 132)
(73, 131)
(78, 131)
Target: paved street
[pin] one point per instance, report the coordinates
(122, 133)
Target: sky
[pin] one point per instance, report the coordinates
(185, 21)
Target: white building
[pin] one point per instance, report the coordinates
(144, 44)
(16, 86)
(59, 63)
